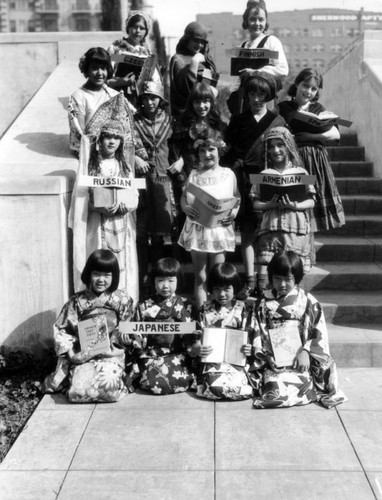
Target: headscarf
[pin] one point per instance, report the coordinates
(284, 135)
(142, 13)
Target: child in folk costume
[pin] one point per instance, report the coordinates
(223, 380)
(108, 151)
(162, 359)
(328, 211)
(285, 224)
(244, 136)
(95, 65)
(159, 206)
(138, 25)
(84, 376)
(313, 373)
(208, 245)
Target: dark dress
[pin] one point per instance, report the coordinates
(328, 212)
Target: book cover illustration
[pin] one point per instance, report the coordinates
(94, 335)
(286, 342)
(293, 184)
(226, 344)
(211, 210)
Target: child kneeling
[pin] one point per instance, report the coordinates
(312, 375)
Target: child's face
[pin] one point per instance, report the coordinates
(283, 284)
(257, 21)
(165, 286)
(137, 32)
(100, 281)
(278, 152)
(150, 104)
(306, 91)
(209, 156)
(201, 107)
(109, 144)
(257, 101)
(195, 45)
(97, 73)
(223, 294)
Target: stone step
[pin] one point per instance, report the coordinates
(346, 153)
(362, 204)
(359, 225)
(359, 185)
(348, 249)
(344, 276)
(351, 308)
(356, 346)
(352, 168)
(348, 139)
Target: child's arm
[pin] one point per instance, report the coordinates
(297, 206)
(330, 135)
(176, 167)
(189, 210)
(266, 205)
(108, 211)
(232, 216)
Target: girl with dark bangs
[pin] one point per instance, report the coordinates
(85, 376)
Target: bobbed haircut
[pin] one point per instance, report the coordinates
(305, 75)
(223, 274)
(97, 55)
(131, 21)
(254, 6)
(103, 261)
(285, 263)
(201, 92)
(167, 267)
(254, 84)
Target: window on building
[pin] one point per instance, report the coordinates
(22, 5)
(305, 47)
(298, 32)
(49, 22)
(319, 47)
(318, 63)
(22, 25)
(297, 63)
(31, 26)
(336, 48)
(31, 5)
(82, 23)
(12, 6)
(82, 5)
(318, 33)
(51, 5)
(12, 26)
(337, 32)
(352, 32)
(306, 32)
(297, 48)
(285, 32)
(305, 63)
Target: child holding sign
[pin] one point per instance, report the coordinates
(161, 359)
(289, 321)
(89, 377)
(285, 224)
(223, 377)
(210, 188)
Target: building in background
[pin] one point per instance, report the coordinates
(311, 38)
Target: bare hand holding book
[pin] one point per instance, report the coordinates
(226, 344)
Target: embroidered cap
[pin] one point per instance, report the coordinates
(113, 127)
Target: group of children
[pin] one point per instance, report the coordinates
(187, 160)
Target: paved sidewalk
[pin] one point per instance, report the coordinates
(180, 447)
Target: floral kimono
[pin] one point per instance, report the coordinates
(161, 360)
(223, 380)
(289, 387)
(99, 378)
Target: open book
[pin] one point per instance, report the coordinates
(128, 63)
(242, 58)
(106, 197)
(211, 210)
(293, 184)
(286, 342)
(94, 335)
(226, 344)
(321, 122)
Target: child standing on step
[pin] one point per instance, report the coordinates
(223, 380)
(285, 224)
(84, 376)
(312, 375)
(162, 360)
(208, 245)
(328, 211)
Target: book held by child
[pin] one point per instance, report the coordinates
(226, 344)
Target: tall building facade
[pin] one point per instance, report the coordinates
(311, 38)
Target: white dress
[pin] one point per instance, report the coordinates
(221, 184)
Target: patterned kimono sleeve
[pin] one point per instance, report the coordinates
(188, 314)
(125, 306)
(133, 344)
(65, 329)
(260, 343)
(315, 331)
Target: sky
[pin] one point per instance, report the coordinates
(174, 15)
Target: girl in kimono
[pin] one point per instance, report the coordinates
(96, 67)
(328, 211)
(208, 243)
(222, 380)
(244, 137)
(84, 376)
(312, 375)
(159, 205)
(138, 25)
(162, 359)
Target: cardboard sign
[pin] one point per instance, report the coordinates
(156, 327)
(291, 184)
(111, 182)
(128, 63)
(250, 58)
